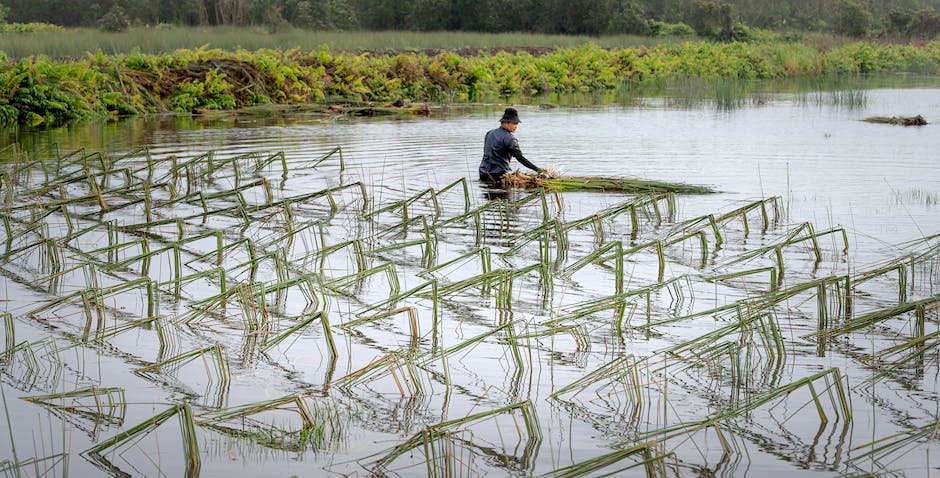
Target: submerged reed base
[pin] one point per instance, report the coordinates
(552, 179)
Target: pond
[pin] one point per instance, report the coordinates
(302, 295)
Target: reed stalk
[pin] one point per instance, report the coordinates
(878, 451)
(9, 331)
(439, 429)
(170, 365)
(648, 454)
(133, 434)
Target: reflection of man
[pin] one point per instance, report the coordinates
(499, 147)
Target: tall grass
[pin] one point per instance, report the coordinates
(71, 43)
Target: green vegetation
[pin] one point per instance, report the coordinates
(718, 19)
(29, 28)
(77, 42)
(38, 90)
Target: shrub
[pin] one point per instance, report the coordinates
(29, 28)
(656, 28)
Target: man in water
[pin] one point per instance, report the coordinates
(499, 147)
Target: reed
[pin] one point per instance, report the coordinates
(106, 406)
(220, 369)
(895, 445)
(163, 38)
(648, 455)
(48, 465)
(412, 321)
(110, 242)
(9, 331)
(625, 185)
(320, 422)
(189, 441)
(421, 439)
(874, 317)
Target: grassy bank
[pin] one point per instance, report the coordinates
(39, 90)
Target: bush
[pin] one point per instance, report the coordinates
(29, 28)
(656, 28)
(115, 20)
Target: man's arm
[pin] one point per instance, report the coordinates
(515, 152)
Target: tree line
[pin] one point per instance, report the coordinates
(722, 19)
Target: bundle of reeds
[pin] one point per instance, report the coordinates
(552, 179)
(917, 120)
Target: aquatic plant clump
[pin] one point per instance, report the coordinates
(552, 180)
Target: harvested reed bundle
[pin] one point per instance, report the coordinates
(552, 179)
(899, 120)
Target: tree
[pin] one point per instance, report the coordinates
(925, 23)
(624, 16)
(428, 15)
(381, 14)
(853, 19)
(899, 21)
(713, 20)
(115, 20)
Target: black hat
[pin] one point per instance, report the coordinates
(510, 116)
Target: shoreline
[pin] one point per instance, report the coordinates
(41, 92)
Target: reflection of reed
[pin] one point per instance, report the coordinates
(99, 406)
(448, 447)
(33, 365)
(103, 454)
(291, 423)
(52, 465)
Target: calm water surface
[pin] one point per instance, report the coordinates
(880, 183)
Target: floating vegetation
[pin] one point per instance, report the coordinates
(551, 181)
(201, 301)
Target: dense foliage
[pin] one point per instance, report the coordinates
(718, 18)
(37, 90)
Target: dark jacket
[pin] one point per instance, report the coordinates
(498, 148)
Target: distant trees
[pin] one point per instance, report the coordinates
(719, 19)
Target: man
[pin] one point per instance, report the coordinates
(499, 147)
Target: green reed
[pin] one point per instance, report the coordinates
(190, 444)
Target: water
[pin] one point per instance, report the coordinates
(877, 182)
